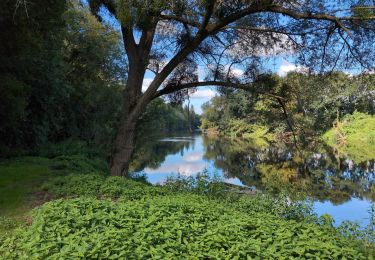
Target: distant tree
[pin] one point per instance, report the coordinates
(171, 37)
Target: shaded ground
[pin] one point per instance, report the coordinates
(20, 179)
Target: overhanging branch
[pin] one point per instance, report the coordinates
(248, 87)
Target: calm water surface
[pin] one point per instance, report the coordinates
(339, 185)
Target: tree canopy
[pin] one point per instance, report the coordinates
(172, 38)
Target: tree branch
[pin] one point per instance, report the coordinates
(206, 19)
(147, 37)
(129, 43)
(248, 87)
(179, 19)
(325, 17)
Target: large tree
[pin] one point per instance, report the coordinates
(172, 38)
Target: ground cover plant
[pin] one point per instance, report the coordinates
(96, 216)
(169, 227)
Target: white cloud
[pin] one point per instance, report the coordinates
(234, 71)
(186, 169)
(234, 181)
(287, 67)
(193, 157)
(203, 93)
(237, 72)
(146, 83)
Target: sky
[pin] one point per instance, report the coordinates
(280, 65)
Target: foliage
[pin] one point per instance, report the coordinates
(202, 184)
(57, 64)
(69, 147)
(79, 164)
(28, 114)
(366, 235)
(312, 104)
(53, 109)
(169, 227)
(163, 117)
(187, 217)
(96, 185)
(354, 136)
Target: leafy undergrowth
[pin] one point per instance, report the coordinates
(354, 136)
(169, 227)
(109, 217)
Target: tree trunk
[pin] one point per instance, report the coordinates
(124, 144)
(123, 149)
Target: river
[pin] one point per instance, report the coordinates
(337, 184)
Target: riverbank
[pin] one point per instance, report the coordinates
(353, 136)
(92, 215)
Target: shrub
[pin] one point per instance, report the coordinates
(79, 164)
(67, 147)
(169, 227)
(202, 183)
(97, 185)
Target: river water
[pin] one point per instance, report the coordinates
(338, 184)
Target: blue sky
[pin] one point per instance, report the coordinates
(280, 65)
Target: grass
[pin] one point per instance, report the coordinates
(23, 177)
(354, 136)
(18, 179)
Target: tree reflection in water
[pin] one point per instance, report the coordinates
(317, 171)
(152, 151)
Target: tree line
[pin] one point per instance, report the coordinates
(62, 73)
(307, 104)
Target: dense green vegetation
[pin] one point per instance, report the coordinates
(354, 135)
(111, 217)
(312, 104)
(62, 65)
(56, 72)
(69, 88)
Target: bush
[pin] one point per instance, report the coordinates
(187, 226)
(201, 184)
(97, 185)
(67, 147)
(79, 164)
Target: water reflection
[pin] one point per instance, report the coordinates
(317, 171)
